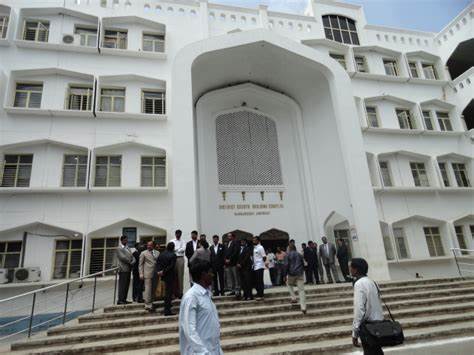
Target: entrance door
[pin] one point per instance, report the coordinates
(274, 238)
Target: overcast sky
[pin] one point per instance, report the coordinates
(424, 15)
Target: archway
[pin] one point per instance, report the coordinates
(468, 114)
(461, 59)
(274, 238)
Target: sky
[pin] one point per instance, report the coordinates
(423, 15)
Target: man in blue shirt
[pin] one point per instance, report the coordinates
(199, 327)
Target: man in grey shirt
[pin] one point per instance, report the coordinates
(294, 264)
(367, 305)
(125, 260)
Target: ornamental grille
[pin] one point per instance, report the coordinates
(247, 150)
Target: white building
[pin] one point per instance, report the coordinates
(138, 117)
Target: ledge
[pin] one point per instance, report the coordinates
(443, 133)
(403, 189)
(130, 115)
(379, 77)
(55, 46)
(47, 112)
(4, 42)
(129, 189)
(132, 53)
(392, 130)
(421, 260)
(42, 190)
(434, 82)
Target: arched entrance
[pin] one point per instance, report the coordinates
(274, 238)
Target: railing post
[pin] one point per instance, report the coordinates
(456, 259)
(30, 323)
(65, 303)
(115, 287)
(93, 294)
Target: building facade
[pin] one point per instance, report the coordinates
(138, 117)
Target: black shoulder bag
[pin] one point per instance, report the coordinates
(387, 332)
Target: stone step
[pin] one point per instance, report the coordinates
(418, 307)
(259, 307)
(232, 341)
(237, 326)
(321, 291)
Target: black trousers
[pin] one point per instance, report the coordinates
(168, 295)
(258, 281)
(123, 286)
(137, 287)
(246, 282)
(312, 270)
(344, 264)
(218, 281)
(273, 275)
(371, 350)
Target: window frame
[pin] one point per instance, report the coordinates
(422, 172)
(154, 42)
(388, 169)
(437, 253)
(163, 101)
(394, 66)
(461, 174)
(69, 251)
(17, 164)
(4, 23)
(429, 119)
(444, 173)
(352, 34)
(425, 66)
(104, 249)
(113, 98)
(84, 36)
(413, 66)
(459, 231)
(108, 165)
(89, 97)
(76, 172)
(364, 64)
(402, 237)
(37, 29)
(28, 93)
(340, 58)
(372, 114)
(116, 37)
(408, 119)
(4, 253)
(445, 123)
(154, 167)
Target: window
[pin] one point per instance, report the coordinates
(10, 254)
(108, 171)
(433, 240)
(37, 31)
(361, 65)
(404, 119)
(103, 254)
(131, 234)
(385, 171)
(391, 67)
(444, 121)
(67, 259)
(247, 150)
(345, 236)
(153, 42)
(158, 239)
(419, 174)
(340, 58)
(115, 39)
(74, 170)
(388, 247)
(153, 171)
(460, 174)
(413, 70)
(429, 71)
(444, 174)
(428, 120)
(3, 26)
(28, 95)
(372, 118)
(461, 240)
(340, 29)
(17, 170)
(153, 102)
(87, 36)
(112, 100)
(400, 242)
(79, 98)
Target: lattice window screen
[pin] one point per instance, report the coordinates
(247, 150)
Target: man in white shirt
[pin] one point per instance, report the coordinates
(367, 305)
(179, 247)
(259, 258)
(199, 327)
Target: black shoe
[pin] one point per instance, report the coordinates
(167, 314)
(121, 302)
(141, 301)
(127, 302)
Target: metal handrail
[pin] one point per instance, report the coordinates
(64, 313)
(58, 285)
(470, 253)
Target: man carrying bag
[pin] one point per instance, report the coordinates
(369, 323)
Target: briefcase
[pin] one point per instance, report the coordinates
(383, 333)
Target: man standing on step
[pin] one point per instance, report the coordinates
(259, 258)
(295, 270)
(327, 252)
(311, 256)
(231, 257)
(165, 269)
(217, 262)
(367, 305)
(179, 246)
(146, 268)
(125, 261)
(343, 258)
(199, 327)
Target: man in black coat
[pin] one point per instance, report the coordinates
(217, 263)
(231, 255)
(343, 258)
(244, 267)
(191, 246)
(165, 269)
(137, 286)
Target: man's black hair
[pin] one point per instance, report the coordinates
(199, 267)
(360, 265)
(194, 232)
(204, 244)
(123, 237)
(178, 231)
(170, 246)
(215, 236)
(257, 237)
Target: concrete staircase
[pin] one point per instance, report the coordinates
(428, 310)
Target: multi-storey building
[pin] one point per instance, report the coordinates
(138, 117)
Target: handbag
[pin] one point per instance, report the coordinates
(387, 332)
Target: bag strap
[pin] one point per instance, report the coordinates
(388, 309)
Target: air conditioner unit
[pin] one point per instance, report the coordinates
(26, 274)
(68, 39)
(3, 276)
